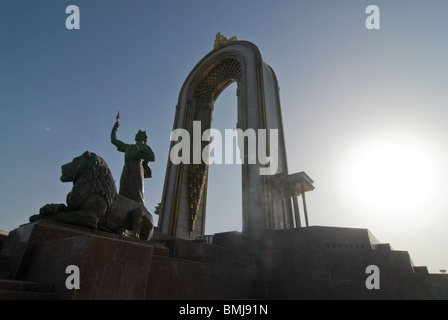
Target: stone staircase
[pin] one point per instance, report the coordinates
(4, 268)
(22, 290)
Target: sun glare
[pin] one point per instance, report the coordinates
(395, 178)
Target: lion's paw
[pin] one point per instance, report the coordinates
(52, 208)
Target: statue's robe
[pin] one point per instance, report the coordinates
(135, 169)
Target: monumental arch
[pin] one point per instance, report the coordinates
(266, 199)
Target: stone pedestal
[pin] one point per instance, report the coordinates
(111, 267)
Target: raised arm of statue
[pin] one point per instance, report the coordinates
(121, 146)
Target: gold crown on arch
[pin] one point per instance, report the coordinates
(222, 39)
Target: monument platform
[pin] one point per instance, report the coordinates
(304, 263)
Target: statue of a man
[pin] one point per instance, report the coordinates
(136, 158)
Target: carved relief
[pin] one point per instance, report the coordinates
(222, 75)
(207, 91)
(197, 174)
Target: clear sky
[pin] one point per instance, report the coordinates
(365, 111)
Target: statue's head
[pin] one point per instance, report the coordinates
(141, 136)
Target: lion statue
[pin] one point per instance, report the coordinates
(94, 202)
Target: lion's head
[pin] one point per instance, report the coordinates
(90, 175)
(78, 166)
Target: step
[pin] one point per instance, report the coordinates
(25, 290)
(4, 267)
(25, 286)
(22, 290)
(17, 295)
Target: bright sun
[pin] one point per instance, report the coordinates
(390, 177)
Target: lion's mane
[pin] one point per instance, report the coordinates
(94, 178)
